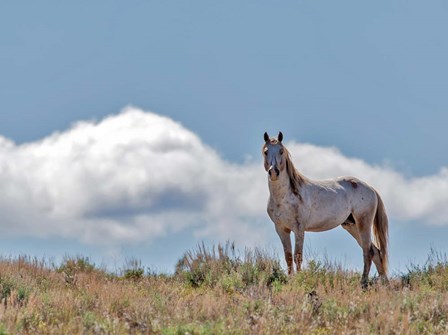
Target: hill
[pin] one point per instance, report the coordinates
(218, 290)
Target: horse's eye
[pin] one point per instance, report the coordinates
(265, 152)
(281, 151)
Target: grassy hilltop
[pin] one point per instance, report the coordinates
(218, 291)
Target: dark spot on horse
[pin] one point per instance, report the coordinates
(353, 183)
(278, 205)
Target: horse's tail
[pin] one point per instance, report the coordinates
(381, 232)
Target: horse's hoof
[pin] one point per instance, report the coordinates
(364, 285)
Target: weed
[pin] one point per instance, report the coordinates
(219, 290)
(76, 265)
(3, 330)
(133, 270)
(207, 266)
(433, 274)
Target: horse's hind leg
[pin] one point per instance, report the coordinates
(363, 225)
(351, 227)
(365, 237)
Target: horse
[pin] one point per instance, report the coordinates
(298, 204)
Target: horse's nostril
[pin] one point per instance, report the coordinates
(275, 169)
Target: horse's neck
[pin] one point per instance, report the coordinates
(281, 187)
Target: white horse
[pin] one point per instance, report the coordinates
(299, 204)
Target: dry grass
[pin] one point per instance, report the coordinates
(218, 291)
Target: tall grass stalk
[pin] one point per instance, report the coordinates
(218, 290)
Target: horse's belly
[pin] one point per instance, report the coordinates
(325, 224)
(322, 227)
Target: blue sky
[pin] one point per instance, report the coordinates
(366, 78)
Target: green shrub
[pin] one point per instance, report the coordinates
(133, 270)
(12, 291)
(432, 275)
(206, 266)
(3, 330)
(6, 287)
(72, 265)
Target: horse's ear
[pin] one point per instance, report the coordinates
(266, 137)
(280, 136)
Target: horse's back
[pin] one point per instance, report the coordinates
(361, 195)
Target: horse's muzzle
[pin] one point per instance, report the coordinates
(273, 169)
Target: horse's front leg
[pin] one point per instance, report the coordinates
(299, 233)
(284, 235)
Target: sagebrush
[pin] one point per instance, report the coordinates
(218, 290)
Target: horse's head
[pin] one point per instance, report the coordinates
(273, 153)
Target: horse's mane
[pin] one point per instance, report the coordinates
(296, 179)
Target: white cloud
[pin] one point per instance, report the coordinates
(139, 176)
(131, 177)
